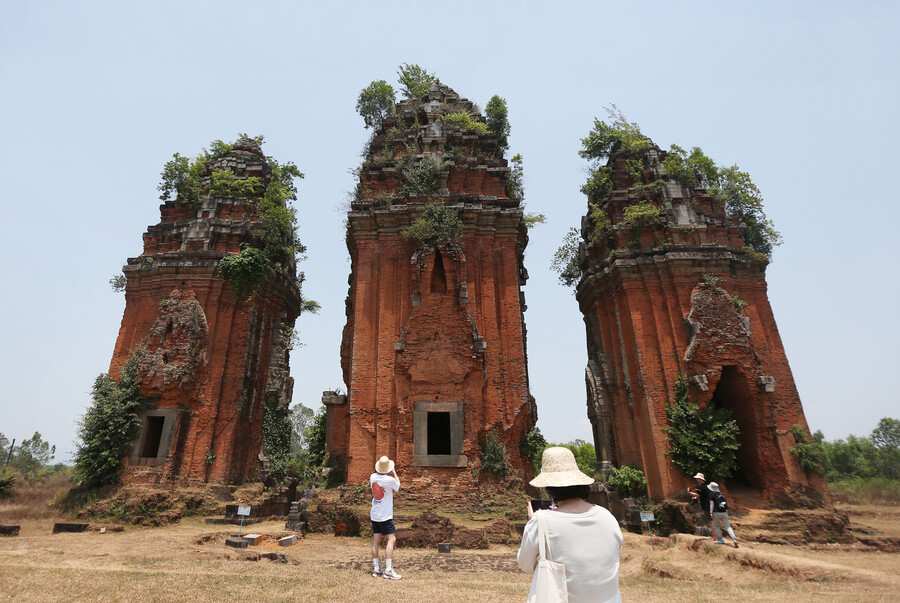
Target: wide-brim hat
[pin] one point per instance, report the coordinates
(384, 465)
(700, 476)
(559, 469)
(713, 486)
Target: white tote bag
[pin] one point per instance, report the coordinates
(549, 582)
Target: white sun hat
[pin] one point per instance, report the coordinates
(559, 469)
(384, 465)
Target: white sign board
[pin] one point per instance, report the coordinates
(245, 511)
(646, 515)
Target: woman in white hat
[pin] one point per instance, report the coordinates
(585, 538)
(382, 516)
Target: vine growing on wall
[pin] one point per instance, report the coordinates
(436, 225)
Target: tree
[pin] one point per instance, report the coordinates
(887, 435)
(376, 101)
(301, 418)
(700, 440)
(498, 121)
(31, 455)
(565, 260)
(515, 179)
(415, 81)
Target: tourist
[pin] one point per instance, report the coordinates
(382, 516)
(584, 538)
(718, 511)
(702, 494)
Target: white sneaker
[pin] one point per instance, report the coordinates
(391, 575)
(377, 573)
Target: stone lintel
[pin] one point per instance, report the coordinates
(440, 460)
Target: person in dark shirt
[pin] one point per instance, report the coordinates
(702, 494)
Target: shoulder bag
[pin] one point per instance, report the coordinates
(549, 582)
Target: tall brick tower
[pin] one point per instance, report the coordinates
(434, 346)
(212, 359)
(660, 262)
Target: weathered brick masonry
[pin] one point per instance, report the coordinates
(649, 316)
(209, 363)
(434, 346)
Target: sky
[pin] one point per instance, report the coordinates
(96, 96)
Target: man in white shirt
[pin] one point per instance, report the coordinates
(382, 516)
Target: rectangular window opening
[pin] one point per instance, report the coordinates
(438, 433)
(152, 436)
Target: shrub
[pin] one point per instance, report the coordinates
(565, 259)
(414, 81)
(807, 451)
(627, 480)
(532, 445)
(8, 478)
(640, 214)
(109, 426)
(245, 271)
(424, 178)
(493, 454)
(465, 121)
(435, 226)
(700, 440)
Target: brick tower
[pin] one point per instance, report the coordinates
(433, 351)
(212, 362)
(656, 293)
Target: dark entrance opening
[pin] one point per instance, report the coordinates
(438, 275)
(152, 436)
(439, 433)
(733, 393)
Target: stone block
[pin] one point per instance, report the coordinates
(252, 539)
(238, 543)
(443, 547)
(288, 540)
(9, 530)
(69, 527)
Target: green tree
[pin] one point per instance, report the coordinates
(498, 120)
(515, 179)
(493, 454)
(301, 418)
(886, 435)
(700, 440)
(565, 260)
(109, 426)
(376, 101)
(415, 81)
(31, 455)
(808, 451)
(276, 435)
(315, 438)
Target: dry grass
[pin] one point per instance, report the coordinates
(189, 562)
(35, 499)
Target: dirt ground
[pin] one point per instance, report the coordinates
(188, 561)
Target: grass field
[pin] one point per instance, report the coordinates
(189, 561)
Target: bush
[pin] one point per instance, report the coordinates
(375, 102)
(8, 479)
(701, 440)
(436, 225)
(424, 178)
(245, 271)
(493, 454)
(808, 452)
(627, 480)
(872, 491)
(465, 121)
(109, 426)
(532, 445)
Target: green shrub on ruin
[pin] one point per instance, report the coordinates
(701, 440)
(109, 426)
(627, 480)
(493, 454)
(436, 225)
(807, 450)
(466, 122)
(245, 271)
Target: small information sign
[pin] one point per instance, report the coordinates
(245, 511)
(647, 516)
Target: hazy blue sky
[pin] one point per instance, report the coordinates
(96, 96)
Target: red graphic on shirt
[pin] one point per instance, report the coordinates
(377, 491)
